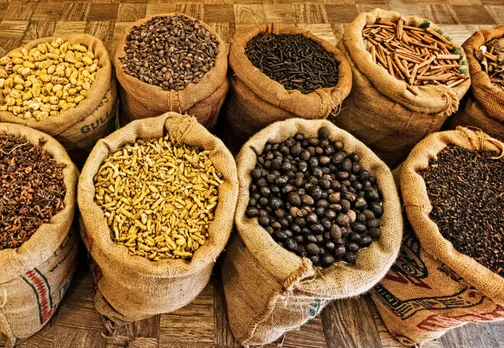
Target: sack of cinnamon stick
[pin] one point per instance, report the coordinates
(485, 104)
(448, 273)
(408, 78)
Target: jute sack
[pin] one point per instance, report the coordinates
(255, 101)
(485, 106)
(68, 126)
(35, 276)
(432, 287)
(129, 287)
(270, 290)
(380, 111)
(203, 100)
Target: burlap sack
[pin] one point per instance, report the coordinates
(432, 287)
(35, 276)
(131, 287)
(203, 100)
(255, 100)
(67, 127)
(485, 104)
(270, 290)
(380, 111)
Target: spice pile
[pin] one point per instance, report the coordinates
(47, 80)
(295, 61)
(31, 189)
(417, 56)
(466, 191)
(170, 52)
(158, 198)
(492, 60)
(315, 199)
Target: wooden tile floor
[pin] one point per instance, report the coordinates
(352, 323)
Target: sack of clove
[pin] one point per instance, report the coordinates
(485, 106)
(408, 78)
(39, 244)
(450, 270)
(157, 201)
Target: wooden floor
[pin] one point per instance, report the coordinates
(350, 323)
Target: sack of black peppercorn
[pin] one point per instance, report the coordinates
(78, 126)
(148, 273)
(432, 287)
(256, 101)
(153, 82)
(270, 290)
(35, 276)
(484, 107)
(381, 110)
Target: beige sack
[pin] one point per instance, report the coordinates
(270, 290)
(35, 276)
(255, 101)
(380, 111)
(432, 287)
(203, 100)
(67, 126)
(485, 106)
(131, 287)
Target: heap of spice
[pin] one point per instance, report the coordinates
(466, 191)
(158, 197)
(170, 52)
(492, 60)
(415, 55)
(315, 199)
(46, 80)
(32, 190)
(295, 61)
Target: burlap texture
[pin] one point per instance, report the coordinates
(485, 104)
(35, 276)
(380, 111)
(270, 290)
(66, 127)
(255, 101)
(131, 287)
(203, 100)
(432, 287)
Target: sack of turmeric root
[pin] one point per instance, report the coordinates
(34, 274)
(270, 290)
(61, 86)
(256, 100)
(383, 111)
(184, 71)
(433, 287)
(485, 104)
(155, 239)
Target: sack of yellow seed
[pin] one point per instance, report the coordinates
(202, 98)
(61, 86)
(35, 276)
(380, 110)
(432, 287)
(157, 200)
(485, 104)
